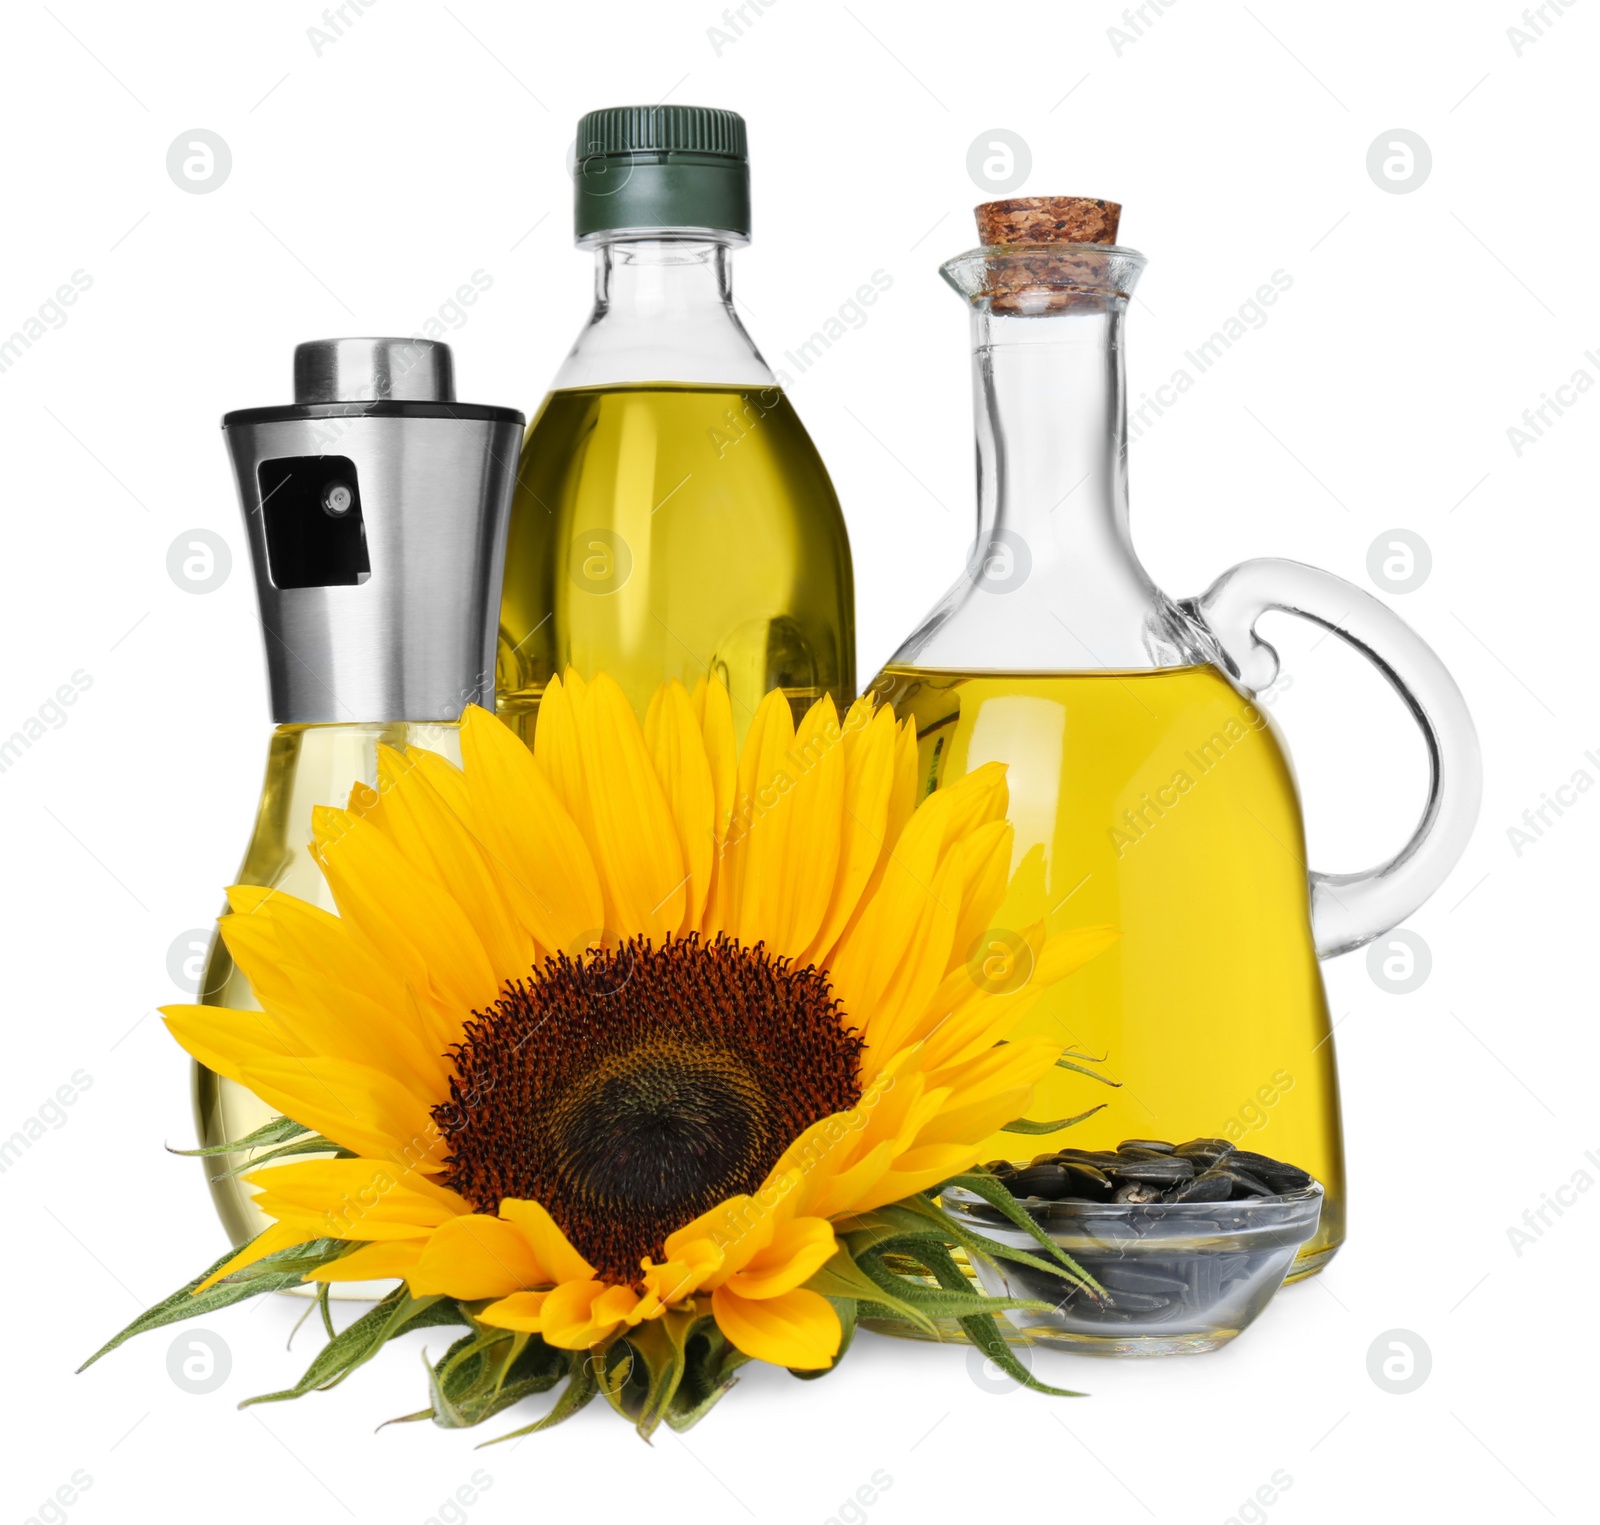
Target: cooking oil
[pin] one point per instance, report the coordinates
(669, 531)
(307, 766)
(1163, 803)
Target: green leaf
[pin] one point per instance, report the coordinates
(357, 1345)
(272, 1273)
(279, 1131)
(992, 1191)
(1028, 1125)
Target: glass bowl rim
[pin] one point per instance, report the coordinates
(1301, 1197)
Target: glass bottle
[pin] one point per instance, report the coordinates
(1148, 790)
(671, 516)
(376, 507)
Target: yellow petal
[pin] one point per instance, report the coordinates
(632, 833)
(356, 1199)
(794, 847)
(476, 1256)
(798, 1329)
(522, 1310)
(677, 749)
(985, 869)
(555, 749)
(919, 1170)
(579, 1314)
(714, 715)
(527, 832)
(799, 1249)
(431, 837)
(361, 1109)
(689, 1268)
(404, 913)
(734, 1231)
(764, 777)
(554, 1251)
(869, 752)
(328, 994)
(372, 1262)
(275, 1237)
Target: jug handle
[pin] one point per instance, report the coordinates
(1348, 910)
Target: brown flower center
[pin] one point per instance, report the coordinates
(633, 1089)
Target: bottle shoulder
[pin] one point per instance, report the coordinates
(999, 616)
(658, 447)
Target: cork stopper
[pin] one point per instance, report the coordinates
(1048, 220)
(1044, 254)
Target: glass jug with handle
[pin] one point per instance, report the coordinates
(1148, 790)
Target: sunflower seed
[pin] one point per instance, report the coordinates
(1137, 1191)
(1244, 1184)
(1158, 1170)
(1048, 1181)
(1206, 1150)
(1275, 1173)
(1211, 1187)
(1201, 1170)
(1087, 1182)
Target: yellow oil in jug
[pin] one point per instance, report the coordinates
(1160, 802)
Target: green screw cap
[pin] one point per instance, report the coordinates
(661, 167)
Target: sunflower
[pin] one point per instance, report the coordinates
(633, 1021)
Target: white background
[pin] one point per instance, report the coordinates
(369, 181)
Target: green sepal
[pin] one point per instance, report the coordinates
(843, 1278)
(289, 1137)
(1069, 1061)
(984, 1332)
(317, 1145)
(921, 1208)
(991, 1190)
(1055, 1125)
(955, 1300)
(577, 1394)
(272, 1273)
(710, 1361)
(279, 1131)
(618, 1370)
(658, 1352)
(487, 1371)
(1064, 1063)
(357, 1345)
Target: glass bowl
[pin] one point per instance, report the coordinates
(1178, 1277)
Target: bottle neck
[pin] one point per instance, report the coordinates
(1052, 584)
(663, 311)
(1051, 411)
